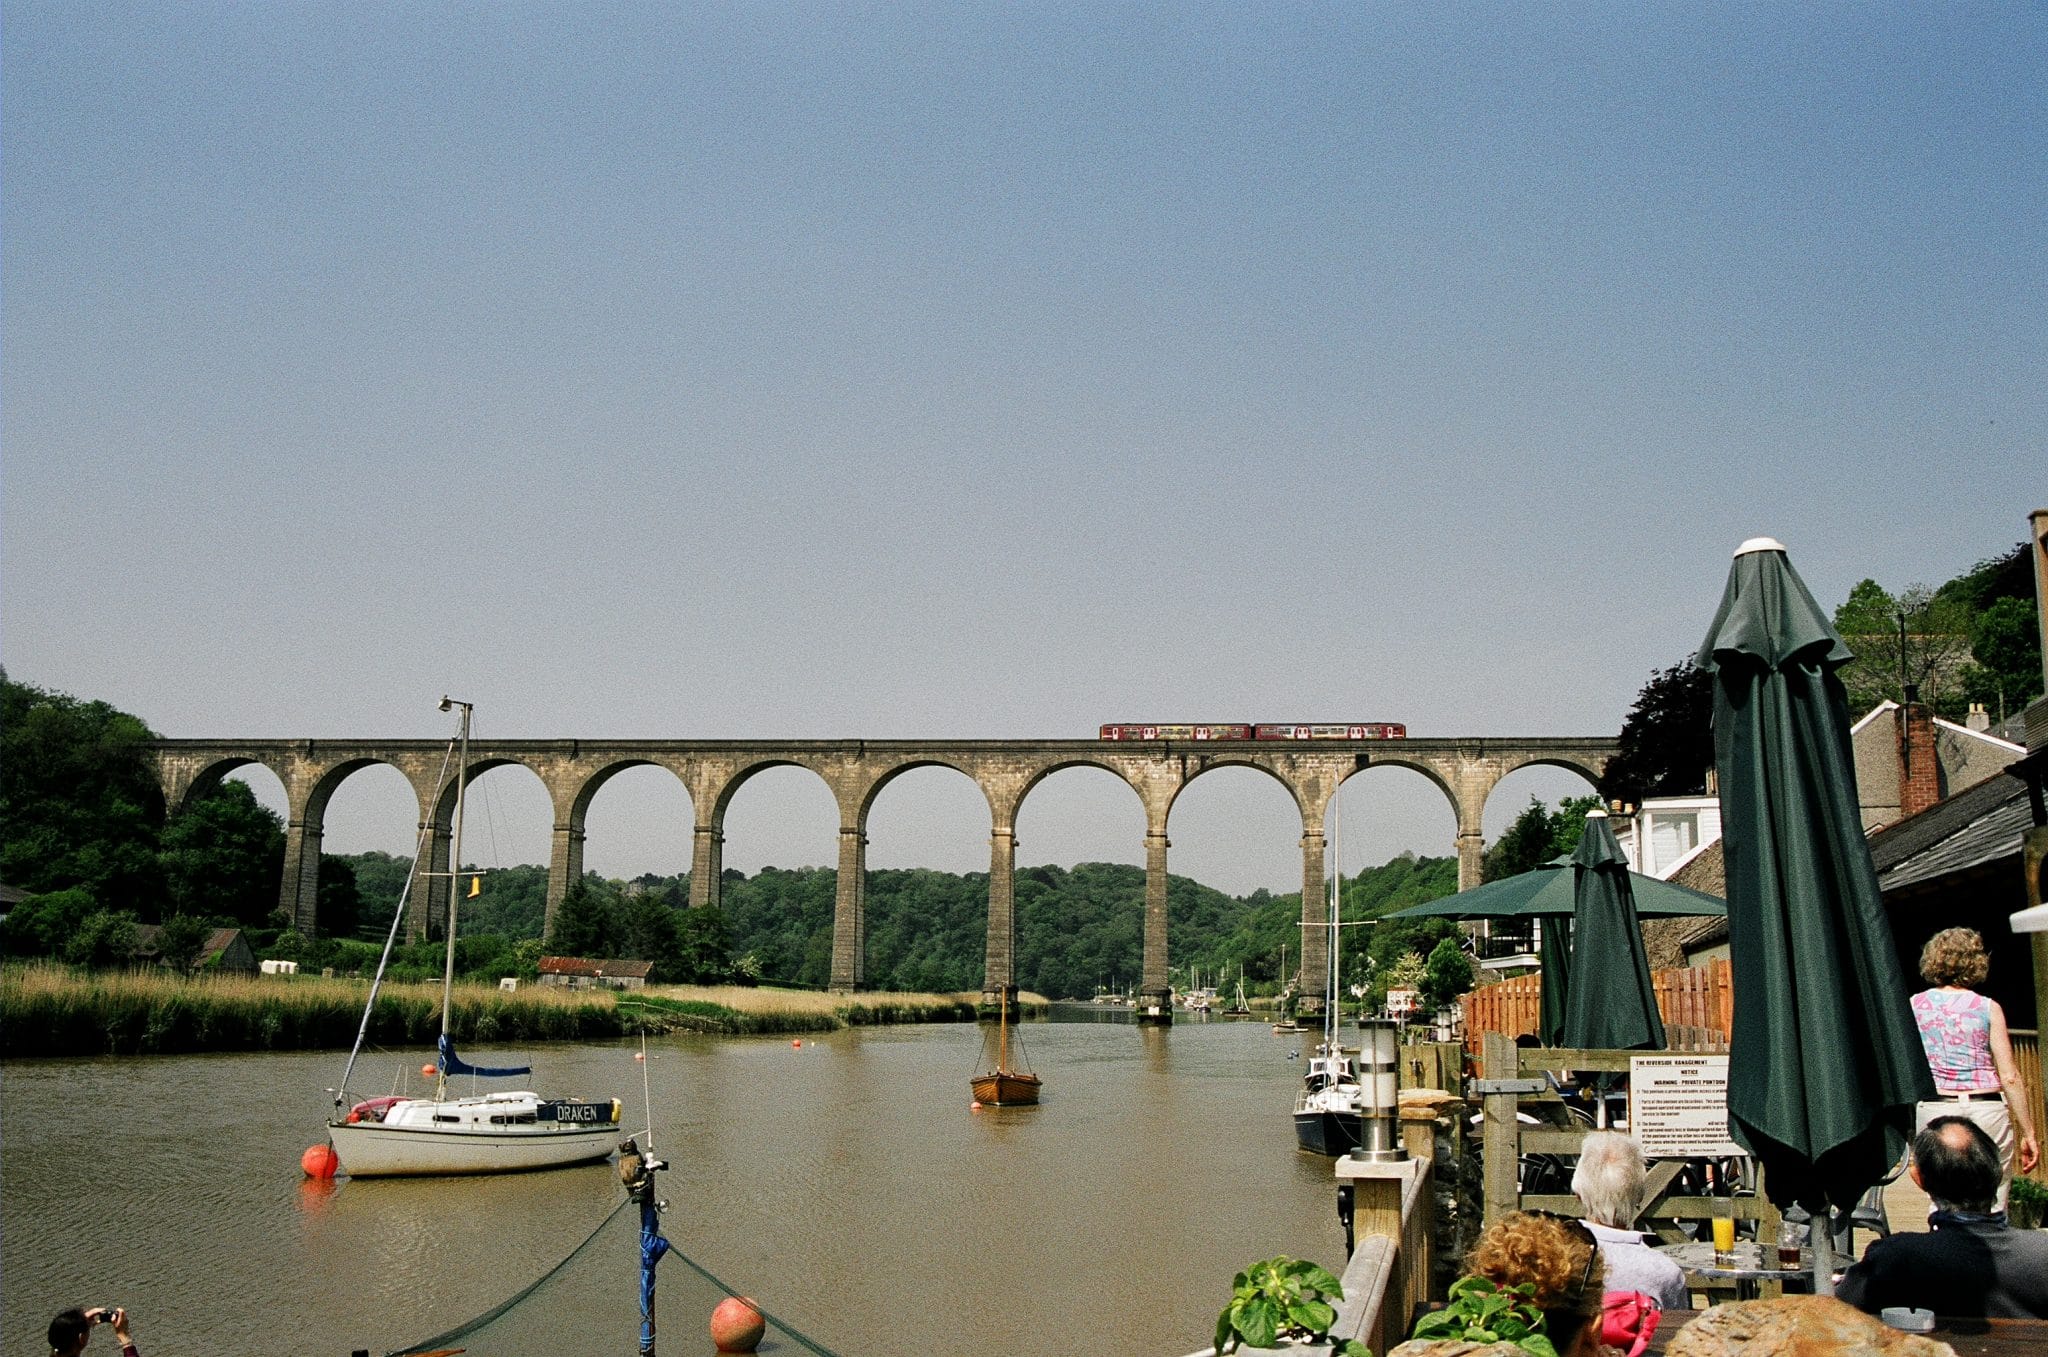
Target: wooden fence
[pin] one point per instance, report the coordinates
(1695, 1002)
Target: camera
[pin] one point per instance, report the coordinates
(106, 1314)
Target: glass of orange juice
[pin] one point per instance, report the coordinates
(1724, 1228)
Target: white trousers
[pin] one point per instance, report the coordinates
(1991, 1116)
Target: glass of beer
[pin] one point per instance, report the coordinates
(1788, 1246)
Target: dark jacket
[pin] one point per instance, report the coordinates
(1968, 1265)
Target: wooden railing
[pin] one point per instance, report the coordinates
(2026, 1053)
(1393, 1208)
(1698, 1001)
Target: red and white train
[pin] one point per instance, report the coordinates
(1357, 730)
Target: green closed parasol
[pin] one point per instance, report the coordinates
(1825, 1062)
(1612, 1007)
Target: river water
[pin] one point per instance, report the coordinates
(845, 1184)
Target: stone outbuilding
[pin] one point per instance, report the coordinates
(225, 949)
(583, 973)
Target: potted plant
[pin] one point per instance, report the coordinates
(1283, 1301)
(2026, 1203)
(1481, 1311)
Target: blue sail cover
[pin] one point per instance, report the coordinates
(452, 1063)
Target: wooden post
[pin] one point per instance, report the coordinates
(1502, 1150)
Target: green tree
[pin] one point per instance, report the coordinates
(585, 925)
(1569, 824)
(341, 903)
(79, 801)
(1920, 636)
(179, 940)
(2005, 652)
(1528, 843)
(223, 856)
(107, 937)
(650, 932)
(1447, 974)
(1667, 738)
(703, 957)
(41, 924)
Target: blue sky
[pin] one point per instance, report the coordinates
(894, 371)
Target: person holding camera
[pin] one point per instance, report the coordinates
(71, 1328)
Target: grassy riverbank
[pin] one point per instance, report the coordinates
(50, 1010)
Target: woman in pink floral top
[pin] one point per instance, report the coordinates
(1970, 1051)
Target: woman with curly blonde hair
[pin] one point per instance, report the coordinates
(1969, 1050)
(1562, 1259)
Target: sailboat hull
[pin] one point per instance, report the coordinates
(1004, 1088)
(495, 1133)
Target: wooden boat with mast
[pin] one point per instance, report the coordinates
(1003, 1085)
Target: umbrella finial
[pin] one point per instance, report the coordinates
(1595, 813)
(1759, 544)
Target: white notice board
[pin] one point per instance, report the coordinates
(1678, 1106)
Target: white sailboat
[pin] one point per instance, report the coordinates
(484, 1133)
(1328, 1109)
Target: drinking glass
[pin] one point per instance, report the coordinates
(1724, 1228)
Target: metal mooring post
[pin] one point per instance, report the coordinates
(637, 1172)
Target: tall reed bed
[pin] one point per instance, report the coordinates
(739, 1009)
(51, 1010)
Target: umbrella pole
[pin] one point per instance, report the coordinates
(1821, 1231)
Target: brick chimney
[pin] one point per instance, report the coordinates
(1919, 770)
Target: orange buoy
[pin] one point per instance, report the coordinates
(736, 1325)
(975, 1105)
(427, 1071)
(320, 1161)
(796, 1044)
(639, 1055)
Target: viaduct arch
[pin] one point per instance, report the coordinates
(1465, 770)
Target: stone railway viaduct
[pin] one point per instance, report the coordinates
(1465, 770)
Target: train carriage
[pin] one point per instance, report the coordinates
(1356, 730)
(1362, 730)
(1214, 731)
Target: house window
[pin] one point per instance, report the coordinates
(1673, 834)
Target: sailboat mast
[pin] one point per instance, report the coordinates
(454, 874)
(1336, 908)
(1002, 1028)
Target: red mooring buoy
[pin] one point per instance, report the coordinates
(320, 1162)
(736, 1325)
(427, 1071)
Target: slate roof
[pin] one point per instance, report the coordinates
(1977, 825)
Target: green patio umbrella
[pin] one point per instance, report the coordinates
(1549, 891)
(1824, 1061)
(1613, 1007)
(1554, 964)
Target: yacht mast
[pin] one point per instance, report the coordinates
(454, 875)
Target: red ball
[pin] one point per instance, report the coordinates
(736, 1325)
(320, 1161)
(427, 1071)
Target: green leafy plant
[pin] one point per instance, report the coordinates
(1282, 1297)
(2026, 1204)
(1482, 1312)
